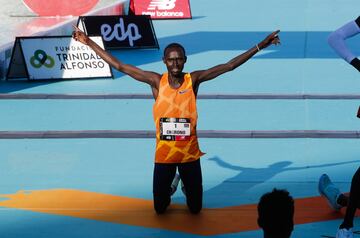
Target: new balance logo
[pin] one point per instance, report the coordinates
(161, 4)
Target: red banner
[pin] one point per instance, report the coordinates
(161, 9)
(60, 8)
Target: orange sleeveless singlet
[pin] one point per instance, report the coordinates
(175, 118)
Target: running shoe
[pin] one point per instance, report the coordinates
(329, 191)
(344, 233)
(175, 183)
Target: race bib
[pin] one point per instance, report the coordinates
(176, 129)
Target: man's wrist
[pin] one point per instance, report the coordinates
(260, 45)
(356, 63)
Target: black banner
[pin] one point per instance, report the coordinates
(121, 31)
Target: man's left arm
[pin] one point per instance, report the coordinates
(211, 73)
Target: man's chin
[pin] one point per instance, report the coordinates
(176, 73)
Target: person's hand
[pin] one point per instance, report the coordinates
(272, 39)
(79, 35)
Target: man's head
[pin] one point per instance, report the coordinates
(174, 58)
(276, 213)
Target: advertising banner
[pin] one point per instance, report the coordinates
(60, 8)
(161, 9)
(56, 57)
(121, 31)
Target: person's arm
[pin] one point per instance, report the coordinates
(211, 73)
(337, 41)
(148, 77)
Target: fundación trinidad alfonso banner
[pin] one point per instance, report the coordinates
(56, 57)
(161, 9)
(121, 31)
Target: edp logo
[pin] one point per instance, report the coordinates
(119, 32)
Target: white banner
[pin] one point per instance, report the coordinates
(62, 58)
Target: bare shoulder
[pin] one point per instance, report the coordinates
(154, 78)
(195, 75)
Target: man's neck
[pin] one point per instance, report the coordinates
(175, 81)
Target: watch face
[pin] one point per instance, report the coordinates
(60, 8)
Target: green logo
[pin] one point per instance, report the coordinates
(40, 58)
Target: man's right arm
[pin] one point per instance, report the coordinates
(337, 41)
(148, 77)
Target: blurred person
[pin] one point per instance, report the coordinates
(337, 200)
(276, 214)
(337, 41)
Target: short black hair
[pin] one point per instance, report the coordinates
(276, 213)
(174, 45)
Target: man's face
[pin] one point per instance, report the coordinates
(174, 60)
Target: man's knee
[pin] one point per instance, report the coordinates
(161, 203)
(194, 200)
(195, 208)
(160, 208)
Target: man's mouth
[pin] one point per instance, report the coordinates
(175, 71)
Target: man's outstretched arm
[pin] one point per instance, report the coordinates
(211, 73)
(337, 41)
(148, 77)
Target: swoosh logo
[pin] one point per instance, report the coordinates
(183, 91)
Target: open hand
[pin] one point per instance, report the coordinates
(272, 39)
(79, 35)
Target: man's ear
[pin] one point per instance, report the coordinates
(185, 59)
(163, 59)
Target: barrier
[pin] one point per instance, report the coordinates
(56, 57)
(121, 31)
(53, 27)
